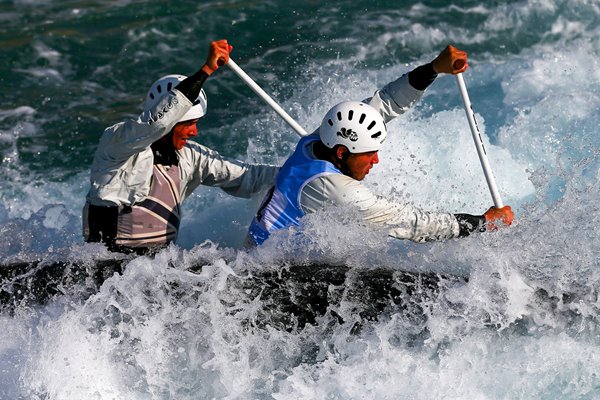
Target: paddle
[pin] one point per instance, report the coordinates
(485, 164)
(262, 94)
(487, 170)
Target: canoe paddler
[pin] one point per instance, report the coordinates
(144, 168)
(329, 165)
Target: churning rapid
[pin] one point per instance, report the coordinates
(326, 310)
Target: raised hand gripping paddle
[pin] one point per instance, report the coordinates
(485, 164)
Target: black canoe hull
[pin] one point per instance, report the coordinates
(292, 295)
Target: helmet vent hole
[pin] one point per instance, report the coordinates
(152, 96)
(371, 125)
(362, 118)
(339, 115)
(169, 86)
(350, 114)
(376, 135)
(159, 89)
(330, 122)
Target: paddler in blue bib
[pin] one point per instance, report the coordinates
(328, 166)
(143, 169)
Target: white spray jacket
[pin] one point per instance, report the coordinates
(405, 221)
(122, 168)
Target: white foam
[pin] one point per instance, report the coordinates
(47, 53)
(480, 366)
(162, 331)
(50, 74)
(433, 163)
(18, 112)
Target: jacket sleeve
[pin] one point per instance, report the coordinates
(395, 98)
(121, 141)
(203, 166)
(404, 221)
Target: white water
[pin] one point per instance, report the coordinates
(160, 331)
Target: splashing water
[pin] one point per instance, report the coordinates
(198, 320)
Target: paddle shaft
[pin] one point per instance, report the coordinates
(487, 169)
(263, 95)
(485, 164)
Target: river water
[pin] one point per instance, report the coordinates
(524, 326)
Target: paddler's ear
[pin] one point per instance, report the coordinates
(342, 153)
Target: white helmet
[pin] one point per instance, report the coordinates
(356, 125)
(163, 85)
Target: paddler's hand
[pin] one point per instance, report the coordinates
(496, 217)
(218, 54)
(450, 61)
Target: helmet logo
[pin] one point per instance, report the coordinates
(348, 134)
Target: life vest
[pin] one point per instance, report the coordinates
(281, 206)
(155, 220)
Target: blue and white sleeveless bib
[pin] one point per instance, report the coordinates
(281, 206)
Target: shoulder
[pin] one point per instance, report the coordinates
(110, 133)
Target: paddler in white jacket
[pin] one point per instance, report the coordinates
(328, 166)
(144, 168)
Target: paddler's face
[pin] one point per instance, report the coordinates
(358, 165)
(182, 131)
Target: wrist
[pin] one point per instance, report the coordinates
(468, 223)
(208, 70)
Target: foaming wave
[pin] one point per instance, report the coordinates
(557, 102)
(167, 328)
(433, 163)
(39, 218)
(483, 364)
(16, 123)
(19, 112)
(49, 74)
(138, 347)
